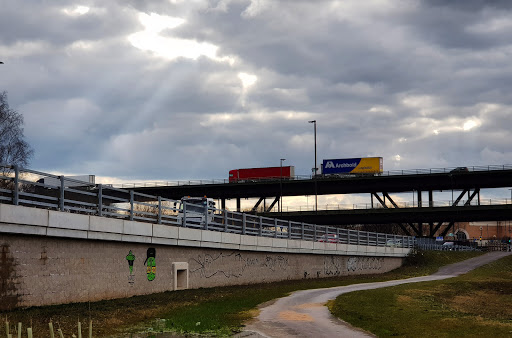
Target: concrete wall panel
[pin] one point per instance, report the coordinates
(105, 224)
(189, 234)
(65, 220)
(23, 215)
(165, 231)
(137, 228)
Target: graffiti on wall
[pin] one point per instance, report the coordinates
(234, 264)
(150, 263)
(333, 265)
(131, 258)
(8, 292)
(364, 263)
(276, 263)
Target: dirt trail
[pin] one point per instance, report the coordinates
(304, 314)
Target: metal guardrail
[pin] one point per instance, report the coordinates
(20, 186)
(424, 204)
(319, 177)
(441, 247)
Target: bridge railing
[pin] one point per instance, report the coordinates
(405, 172)
(364, 206)
(25, 187)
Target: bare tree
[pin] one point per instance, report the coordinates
(14, 150)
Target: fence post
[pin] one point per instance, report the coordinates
(159, 210)
(275, 227)
(61, 201)
(100, 200)
(244, 223)
(131, 205)
(184, 219)
(302, 230)
(16, 196)
(289, 229)
(357, 237)
(337, 235)
(225, 220)
(206, 216)
(314, 232)
(261, 226)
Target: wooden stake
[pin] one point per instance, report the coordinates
(29, 332)
(79, 330)
(52, 335)
(90, 328)
(7, 328)
(61, 335)
(19, 329)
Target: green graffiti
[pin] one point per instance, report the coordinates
(130, 258)
(151, 264)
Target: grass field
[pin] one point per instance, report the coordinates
(215, 311)
(477, 304)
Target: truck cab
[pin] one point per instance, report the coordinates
(194, 209)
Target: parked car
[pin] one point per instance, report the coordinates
(460, 170)
(394, 243)
(329, 238)
(449, 245)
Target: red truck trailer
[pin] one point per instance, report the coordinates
(256, 174)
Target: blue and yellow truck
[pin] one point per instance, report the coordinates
(352, 166)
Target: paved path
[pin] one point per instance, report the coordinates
(304, 314)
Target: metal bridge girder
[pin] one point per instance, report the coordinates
(273, 203)
(401, 225)
(255, 207)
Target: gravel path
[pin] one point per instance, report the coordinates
(304, 314)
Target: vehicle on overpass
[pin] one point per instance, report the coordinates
(194, 210)
(360, 166)
(258, 174)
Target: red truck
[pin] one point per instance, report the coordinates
(256, 174)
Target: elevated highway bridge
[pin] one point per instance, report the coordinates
(465, 207)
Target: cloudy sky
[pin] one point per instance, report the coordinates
(189, 89)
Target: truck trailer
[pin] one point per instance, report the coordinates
(194, 210)
(69, 181)
(257, 174)
(352, 166)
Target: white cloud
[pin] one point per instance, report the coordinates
(76, 11)
(169, 47)
(247, 79)
(256, 7)
(470, 124)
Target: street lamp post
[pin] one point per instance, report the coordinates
(315, 169)
(281, 187)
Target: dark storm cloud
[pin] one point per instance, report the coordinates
(470, 5)
(43, 20)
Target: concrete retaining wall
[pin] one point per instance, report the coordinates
(50, 257)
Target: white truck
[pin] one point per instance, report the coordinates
(194, 209)
(69, 181)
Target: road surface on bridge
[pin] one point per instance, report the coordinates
(304, 314)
